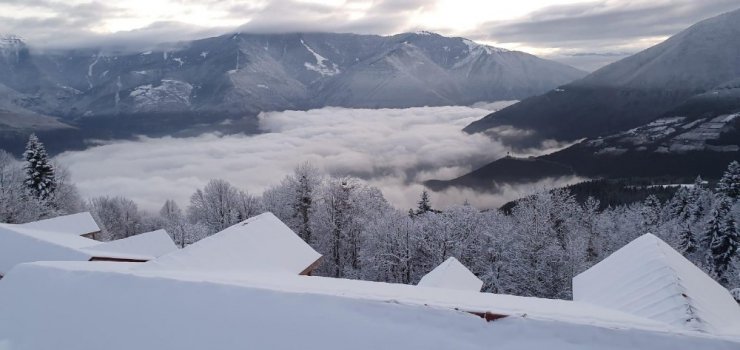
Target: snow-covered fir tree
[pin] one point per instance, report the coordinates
(651, 210)
(686, 240)
(699, 198)
(721, 238)
(729, 184)
(424, 205)
(679, 208)
(40, 178)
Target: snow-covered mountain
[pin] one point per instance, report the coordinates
(699, 137)
(240, 74)
(633, 91)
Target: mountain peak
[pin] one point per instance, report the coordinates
(476, 47)
(425, 33)
(11, 40)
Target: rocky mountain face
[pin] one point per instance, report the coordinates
(634, 91)
(243, 74)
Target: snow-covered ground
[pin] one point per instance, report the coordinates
(106, 305)
(240, 288)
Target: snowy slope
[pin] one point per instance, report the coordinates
(649, 279)
(261, 243)
(452, 274)
(633, 91)
(159, 312)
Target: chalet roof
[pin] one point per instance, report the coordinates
(19, 245)
(452, 274)
(650, 279)
(146, 246)
(262, 243)
(75, 224)
(28, 243)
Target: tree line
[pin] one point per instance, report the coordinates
(533, 250)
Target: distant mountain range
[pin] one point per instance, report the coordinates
(212, 79)
(671, 112)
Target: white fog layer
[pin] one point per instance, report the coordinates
(393, 149)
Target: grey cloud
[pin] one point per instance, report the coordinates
(72, 24)
(583, 34)
(604, 23)
(383, 17)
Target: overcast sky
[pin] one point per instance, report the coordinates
(584, 33)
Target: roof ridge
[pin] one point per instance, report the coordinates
(692, 320)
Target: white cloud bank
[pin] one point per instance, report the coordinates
(393, 149)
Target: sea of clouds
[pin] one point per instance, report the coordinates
(393, 149)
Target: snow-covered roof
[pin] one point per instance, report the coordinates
(262, 243)
(202, 309)
(650, 279)
(19, 245)
(27, 243)
(452, 274)
(147, 245)
(75, 224)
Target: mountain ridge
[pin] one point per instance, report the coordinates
(632, 91)
(243, 73)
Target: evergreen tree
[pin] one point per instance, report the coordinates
(729, 185)
(651, 212)
(698, 199)
(425, 204)
(686, 240)
(721, 238)
(679, 208)
(40, 178)
(680, 204)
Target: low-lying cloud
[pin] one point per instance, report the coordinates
(393, 149)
